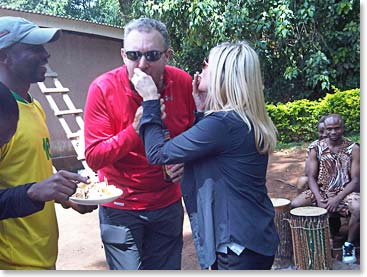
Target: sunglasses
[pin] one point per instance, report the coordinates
(150, 56)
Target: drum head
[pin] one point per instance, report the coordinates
(308, 211)
(279, 202)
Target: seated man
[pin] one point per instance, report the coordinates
(333, 176)
(302, 182)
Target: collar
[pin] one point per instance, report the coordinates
(21, 99)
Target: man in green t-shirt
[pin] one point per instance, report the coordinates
(30, 242)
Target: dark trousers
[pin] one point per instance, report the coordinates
(248, 260)
(142, 239)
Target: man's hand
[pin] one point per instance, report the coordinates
(82, 209)
(144, 85)
(163, 109)
(175, 171)
(139, 114)
(136, 122)
(321, 203)
(332, 203)
(58, 187)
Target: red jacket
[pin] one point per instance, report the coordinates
(114, 149)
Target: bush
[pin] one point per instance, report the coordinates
(296, 121)
(347, 104)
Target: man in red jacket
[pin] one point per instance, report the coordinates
(143, 228)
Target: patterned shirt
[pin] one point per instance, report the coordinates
(334, 168)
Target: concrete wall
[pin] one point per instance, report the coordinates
(77, 58)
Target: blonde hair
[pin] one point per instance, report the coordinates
(235, 83)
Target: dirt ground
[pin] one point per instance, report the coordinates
(80, 246)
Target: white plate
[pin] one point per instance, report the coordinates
(98, 201)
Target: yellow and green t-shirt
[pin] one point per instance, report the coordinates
(29, 242)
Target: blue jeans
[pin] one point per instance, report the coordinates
(142, 239)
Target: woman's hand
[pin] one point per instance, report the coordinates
(199, 96)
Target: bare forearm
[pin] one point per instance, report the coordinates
(314, 187)
(349, 188)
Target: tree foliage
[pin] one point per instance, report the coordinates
(100, 11)
(305, 46)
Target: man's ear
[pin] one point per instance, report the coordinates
(168, 54)
(122, 53)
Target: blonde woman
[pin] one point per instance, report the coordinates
(226, 157)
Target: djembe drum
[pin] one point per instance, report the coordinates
(311, 238)
(283, 257)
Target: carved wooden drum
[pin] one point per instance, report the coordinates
(283, 257)
(311, 238)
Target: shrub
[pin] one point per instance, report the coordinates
(296, 121)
